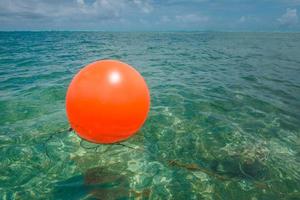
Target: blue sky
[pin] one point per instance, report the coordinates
(154, 15)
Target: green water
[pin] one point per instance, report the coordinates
(224, 120)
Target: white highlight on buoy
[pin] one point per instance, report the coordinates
(115, 77)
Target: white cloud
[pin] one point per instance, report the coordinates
(289, 18)
(291, 2)
(165, 19)
(72, 14)
(75, 9)
(191, 18)
(144, 5)
(244, 19)
(100, 8)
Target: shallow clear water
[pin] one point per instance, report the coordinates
(224, 121)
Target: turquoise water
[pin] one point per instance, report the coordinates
(224, 121)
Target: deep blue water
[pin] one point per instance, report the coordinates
(224, 120)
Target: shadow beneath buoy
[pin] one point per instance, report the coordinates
(95, 183)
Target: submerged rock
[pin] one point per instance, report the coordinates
(240, 168)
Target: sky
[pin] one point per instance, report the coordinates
(150, 15)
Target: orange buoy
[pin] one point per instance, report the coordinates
(107, 101)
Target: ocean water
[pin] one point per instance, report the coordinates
(224, 120)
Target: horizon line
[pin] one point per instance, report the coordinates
(128, 31)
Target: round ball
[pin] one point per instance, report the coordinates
(107, 101)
